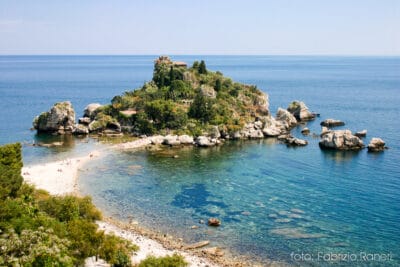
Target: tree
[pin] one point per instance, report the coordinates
(218, 85)
(201, 108)
(202, 67)
(10, 170)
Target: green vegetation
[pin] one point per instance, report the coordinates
(37, 229)
(185, 100)
(168, 261)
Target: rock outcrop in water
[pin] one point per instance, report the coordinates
(332, 123)
(376, 145)
(59, 120)
(341, 140)
(300, 111)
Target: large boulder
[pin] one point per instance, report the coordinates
(90, 110)
(332, 123)
(80, 129)
(341, 140)
(362, 133)
(185, 139)
(300, 111)
(171, 140)
(271, 127)
(204, 141)
(286, 118)
(60, 119)
(251, 130)
(208, 91)
(376, 145)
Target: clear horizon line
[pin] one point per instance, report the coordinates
(212, 54)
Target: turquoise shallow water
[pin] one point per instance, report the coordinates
(273, 200)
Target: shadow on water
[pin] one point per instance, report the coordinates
(340, 156)
(197, 197)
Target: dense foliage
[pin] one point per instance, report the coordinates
(186, 100)
(37, 229)
(174, 260)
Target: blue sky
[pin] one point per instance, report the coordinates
(280, 27)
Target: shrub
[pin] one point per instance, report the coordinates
(10, 170)
(175, 260)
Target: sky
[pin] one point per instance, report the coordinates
(205, 27)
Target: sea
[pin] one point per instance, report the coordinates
(299, 206)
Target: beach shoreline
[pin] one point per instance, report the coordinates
(61, 177)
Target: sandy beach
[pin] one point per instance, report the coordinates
(60, 178)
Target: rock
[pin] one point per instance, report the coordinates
(376, 145)
(341, 140)
(85, 120)
(80, 129)
(197, 245)
(157, 139)
(332, 123)
(194, 227)
(290, 140)
(258, 125)
(185, 139)
(203, 141)
(214, 132)
(300, 111)
(271, 127)
(324, 131)
(305, 131)
(214, 251)
(214, 222)
(208, 91)
(362, 133)
(261, 103)
(271, 131)
(284, 116)
(60, 119)
(171, 140)
(90, 110)
(95, 126)
(114, 126)
(237, 135)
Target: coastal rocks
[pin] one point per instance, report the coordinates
(213, 251)
(261, 103)
(362, 133)
(197, 245)
(204, 141)
(90, 110)
(59, 120)
(286, 118)
(171, 140)
(185, 139)
(80, 129)
(341, 140)
(292, 141)
(84, 120)
(332, 123)
(214, 222)
(214, 132)
(376, 145)
(271, 127)
(305, 131)
(300, 111)
(324, 131)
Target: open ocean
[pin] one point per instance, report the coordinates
(275, 202)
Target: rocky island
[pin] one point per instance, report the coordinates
(192, 105)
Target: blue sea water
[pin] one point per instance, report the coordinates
(275, 203)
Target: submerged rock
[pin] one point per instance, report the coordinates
(341, 140)
(300, 111)
(214, 222)
(332, 123)
(60, 119)
(376, 145)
